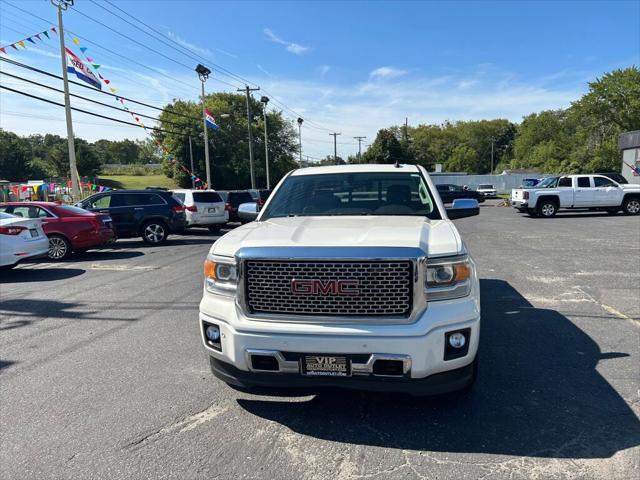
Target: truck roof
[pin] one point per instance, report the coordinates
(357, 168)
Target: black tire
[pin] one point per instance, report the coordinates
(214, 228)
(631, 206)
(532, 212)
(547, 208)
(154, 232)
(59, 248)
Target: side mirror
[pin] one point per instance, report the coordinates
(463, 207)
(248, 211)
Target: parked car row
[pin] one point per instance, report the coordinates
(32, 229)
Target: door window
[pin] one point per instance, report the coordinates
(565, 182)
(100, 202)
(30, 212)
(583, 182)
(603, 182)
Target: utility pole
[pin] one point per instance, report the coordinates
(203, 74)
(359, 139)
(265, 100)
(335, 146)
(300, 120)
(248, 91)
(193, 182)
(75, 188)
(492, 142)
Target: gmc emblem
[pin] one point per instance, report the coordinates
(326, 287)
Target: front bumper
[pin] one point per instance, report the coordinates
(422, 343)
(435, 384)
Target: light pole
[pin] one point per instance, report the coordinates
(248, 91)
(359, 139)
(265, 100)
(335, 146)
(75, 188)
(300, 120)
(203, 74)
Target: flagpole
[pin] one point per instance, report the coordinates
(75, 192)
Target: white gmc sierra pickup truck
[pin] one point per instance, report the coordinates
(575, 192)
(351, 276)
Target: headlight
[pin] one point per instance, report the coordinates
(220, 275)
(448, 278)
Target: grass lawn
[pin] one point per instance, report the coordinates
(136, 181)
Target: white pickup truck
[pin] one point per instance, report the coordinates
(577, 192)
(351, 276)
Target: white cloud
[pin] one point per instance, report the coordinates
(188, 45)
(324, 69)
(263, 70)
(292, 47)
(387, 72)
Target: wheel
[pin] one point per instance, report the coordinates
(547, 209)
(532, 212)
(59, 247)
(154, 232)
(214, 228)
(631, 206)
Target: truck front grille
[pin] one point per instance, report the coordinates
(354, 288)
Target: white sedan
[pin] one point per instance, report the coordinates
(21, 238)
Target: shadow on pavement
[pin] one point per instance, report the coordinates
(105, 255)
(538, 394)
(25, 275)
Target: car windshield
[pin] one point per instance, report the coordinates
(375, 193)
(485, 186)
(548, 182)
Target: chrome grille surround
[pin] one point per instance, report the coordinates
(390, 282)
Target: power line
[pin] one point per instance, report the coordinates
(43, 72)
(89, 99)
(88, 112)
(117, 55)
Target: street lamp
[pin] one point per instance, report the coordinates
(300, 120)
(265, 100)
(203, 73)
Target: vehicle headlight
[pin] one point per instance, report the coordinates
(220, 275)
(448, 278)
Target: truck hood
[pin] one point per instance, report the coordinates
(434, 237)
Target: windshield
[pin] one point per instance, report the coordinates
(366, 193)
(549, 182)
(72, 209)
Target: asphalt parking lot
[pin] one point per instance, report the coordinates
(102, 374)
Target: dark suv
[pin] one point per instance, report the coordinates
(233, 200)
(448, 193)
(150, 214)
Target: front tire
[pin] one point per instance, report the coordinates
(547, 209)
(631, 206)
(154, 232)
(59, 248)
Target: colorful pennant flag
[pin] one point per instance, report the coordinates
(209, 120)
(21, 43)
(31, 40)
(75, 65)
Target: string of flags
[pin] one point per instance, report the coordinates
(32, 39)
(112, 89)
(38, 191)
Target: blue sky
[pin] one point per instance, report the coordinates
(351, 67)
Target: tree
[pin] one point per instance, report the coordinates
(463, 159)
(385, 149)
(14, 157)
(228, 146)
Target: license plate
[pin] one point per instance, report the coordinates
(33, 232)
(212, 210)
(326, 365)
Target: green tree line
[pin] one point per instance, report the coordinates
(580, 138)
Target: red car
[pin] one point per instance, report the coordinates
(68, 228)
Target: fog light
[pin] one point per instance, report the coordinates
(213, 333)
(457, 340)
